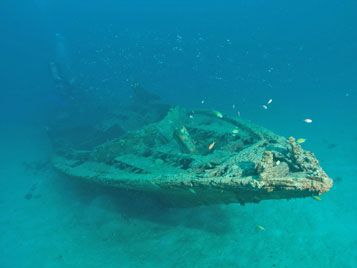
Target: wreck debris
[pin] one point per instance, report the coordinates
(185, 140)
(171, 160)
(268, 168)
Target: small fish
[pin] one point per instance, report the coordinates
(331, 146)
(300, 140)
(210, 147)
(308, 120)
(183, 130)
(235, 131)
(317, 198)
(337, 179)
(192, 190)
(218, 114)
(265, 107)
(260, 228)
(270, 101)
(277, 162)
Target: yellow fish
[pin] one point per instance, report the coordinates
(300, 140)
(218, 114)
(317, 198)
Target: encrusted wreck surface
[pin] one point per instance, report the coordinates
(201, 157)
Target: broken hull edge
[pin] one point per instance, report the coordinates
(187, 192)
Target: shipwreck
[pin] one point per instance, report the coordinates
(198, 157)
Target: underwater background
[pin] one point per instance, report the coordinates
(232, 56)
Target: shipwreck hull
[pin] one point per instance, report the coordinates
(199, 158)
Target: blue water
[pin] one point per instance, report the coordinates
(232, 56)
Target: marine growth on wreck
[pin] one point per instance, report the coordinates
(189, 158)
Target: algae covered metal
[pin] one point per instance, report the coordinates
(193, 158)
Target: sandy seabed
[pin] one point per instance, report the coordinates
(48, 220)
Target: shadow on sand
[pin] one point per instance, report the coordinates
(137, 205)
